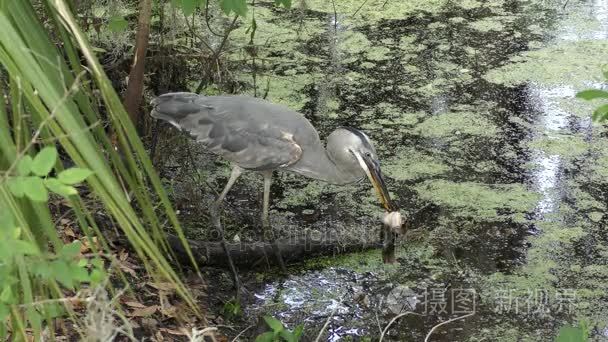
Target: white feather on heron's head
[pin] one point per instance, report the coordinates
(354, 152)
(343, 146)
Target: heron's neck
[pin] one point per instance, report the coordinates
(318, 165)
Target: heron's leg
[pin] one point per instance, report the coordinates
(268, 233)
(215, 216)
(234, 175)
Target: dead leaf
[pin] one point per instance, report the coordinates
(181, 332)
(123, 255)
(144, 312)
(86, 244)
(69, 232)
(170, 311)
(128, 269)
(163, 286)
(135, 304)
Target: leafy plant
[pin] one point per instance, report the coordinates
(53, 89)
(67, 267)
(579, 333)
(278, 332)
(232, 309)
(32, 179)
(601, 112)
(118, 24)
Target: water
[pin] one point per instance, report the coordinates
(495, 166)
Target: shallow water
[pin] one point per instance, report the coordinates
(499, 170)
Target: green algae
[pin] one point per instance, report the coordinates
(480, 201)
(308, 196)
(371, 261)
(575, 63)
(294, 67)
(287, 90)
(488, 24)
(565, 145)
(411, 164)
(374, 10)
(470, 4)
(379, 53)
(451, 125)
(389, 115)
(353, 42)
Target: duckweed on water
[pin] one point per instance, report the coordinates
(481, 201)
(378, 53)
(411, 164)
(450, 125)
(412, 82)
(381, 9)
(577, 62)
(567, 146)
(487, 24)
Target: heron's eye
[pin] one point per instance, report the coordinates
(368, 154)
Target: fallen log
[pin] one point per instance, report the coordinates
(260, 254)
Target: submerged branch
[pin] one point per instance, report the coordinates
(259, 254)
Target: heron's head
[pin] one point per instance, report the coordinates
(354, 153)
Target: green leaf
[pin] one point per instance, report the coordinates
(59, 188)
(7, 294)
(73, 175)
(117, 24)
(287, 335)
(83, 262)
(41, 269)
(297, 332)
(571, 334)
(25, 247)
(44, 161)
(273, 323)
(7, 220)
(14, 232)
(4, 311)
(97, 262)
(265, 337)
(33, 187)
(97, 276)
(79, 274)
(591, 94)
(54, 310)
(70, 250)
(61, 272)
(15, 185)
(285, 3)
(239, 7)
(189, 6)
(600, 113)
(24, 166)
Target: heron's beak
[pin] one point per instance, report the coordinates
(372, 169)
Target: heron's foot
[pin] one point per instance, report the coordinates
(271, 238)
(279, 257)
(216, 207)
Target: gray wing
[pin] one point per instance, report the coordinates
(240, 129)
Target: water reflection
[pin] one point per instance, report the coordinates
(426, 74)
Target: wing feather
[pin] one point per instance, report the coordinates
(238, 132)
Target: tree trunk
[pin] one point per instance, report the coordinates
(135, 88)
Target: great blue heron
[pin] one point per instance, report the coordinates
(260, 136)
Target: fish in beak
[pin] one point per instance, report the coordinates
(373, 172)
